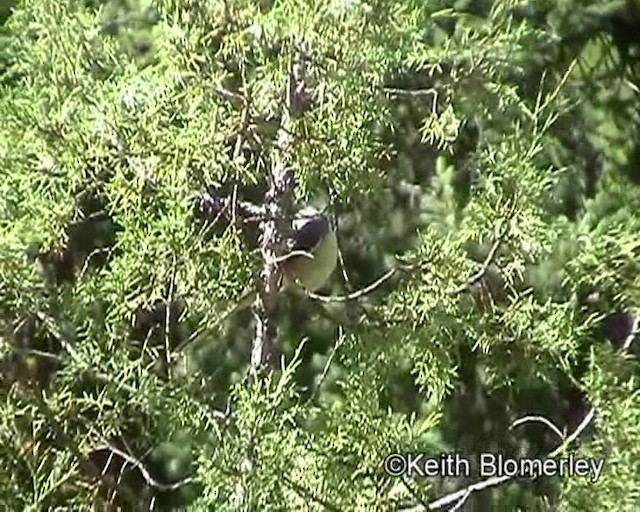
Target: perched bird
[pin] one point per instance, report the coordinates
(311, 257)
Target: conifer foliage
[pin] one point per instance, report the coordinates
(479, 162)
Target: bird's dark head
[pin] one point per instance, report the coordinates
(310, 226)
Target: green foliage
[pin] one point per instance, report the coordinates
(486, 150)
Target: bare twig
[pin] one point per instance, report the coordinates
(461, 502)
(459, 497)
(87, 259)
(538, 419)
(40, 353)
(632, 334)
(194, 335)
(410, 92)
(354, 295)
(145, 343)
(54, 330)
(575, 434)
(477, 276)
(234, 201)
(139, 465)
(414, 493)
(327, 366)
(231, 96)
(244, 123)
(343, 267)
(85, 463)
(167, 318)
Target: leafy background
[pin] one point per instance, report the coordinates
(437, 129)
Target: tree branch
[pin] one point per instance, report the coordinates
(167, 317)
(327, 366)
(354, 295)
(477, 276)
(278, 201)
(431, 91)
(85, 463)
(459, 497)
(139, 465)
(538, 419)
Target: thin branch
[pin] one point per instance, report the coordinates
(325, 370)
(354, 295)
(575, 434)
(460, 496)
(343, 266)
(85, 463)
(230, 95)
(461, 501)
(220, 204)
(87, 259)
(632, 334)
(194, 335)
(147, 340)
(53, 329)
(477, 276)
(139, 465)
(245, 117)
(167, 317)
(410, 92)
(336, 223)
(234, 201)
(538, 419)
(40, 353)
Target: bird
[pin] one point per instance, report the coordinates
(311, 257)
